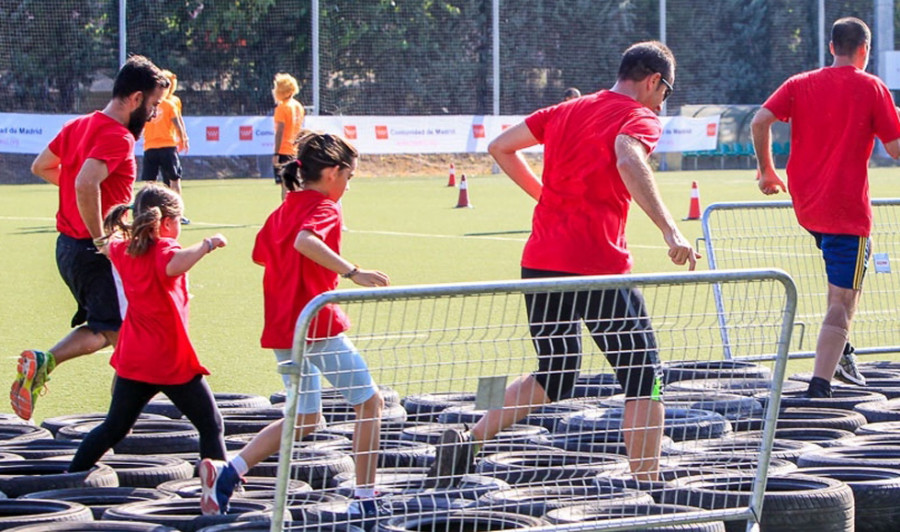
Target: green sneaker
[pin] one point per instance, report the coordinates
(31, 379)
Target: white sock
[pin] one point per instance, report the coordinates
(364, 493)
(239, 465)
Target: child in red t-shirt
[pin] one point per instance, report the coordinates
(154, 353)
(299, 246)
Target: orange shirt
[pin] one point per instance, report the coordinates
(161, 131)
(290, 113)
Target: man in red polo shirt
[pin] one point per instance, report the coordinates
(835, 114)
(92, 162)
(595, 163)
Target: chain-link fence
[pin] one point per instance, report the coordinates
(402, 57)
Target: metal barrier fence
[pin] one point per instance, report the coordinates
(766, 234)
(447, 350)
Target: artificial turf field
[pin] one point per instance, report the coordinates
(407, 227)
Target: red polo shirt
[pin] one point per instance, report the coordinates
(835, 114)
(579, 223)
(291, 280)
(153, 342)
(93, 136)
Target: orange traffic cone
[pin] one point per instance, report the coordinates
(694, 211)
(463, 193)
(452, 181)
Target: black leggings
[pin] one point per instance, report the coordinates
(194, 399)
(617, 321)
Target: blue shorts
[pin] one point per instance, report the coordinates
(339, 361)
(846, 258)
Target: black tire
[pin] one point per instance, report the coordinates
(792, 503)
(184, 514)
(724, 462)
(146, 437)
(391, 452)
(161, 405)
(316, 467)
(345, 430)
(252, 488)
(819, 418)
(885, 456)
(43, 448)
(585, 444)
(746, 387)
(881, 411)
(17, 433)
(876, 495)
(537, 501)
(388, 394)
(249, 420)
(425, 408)
(99, 499)
(595, 386)
(742, 446)
(873, 440)
(388, 481)
(603, 511)
(531, 468)
(460, 520)
(53, 424)
(342, 412)
(731, 406)
(713, 369)
(680, 424)
(144, 471)
(843, 398)
(91, 526)
(884, 427)
(821, 437)
(548, 416)
(17, 512)
(20, 477)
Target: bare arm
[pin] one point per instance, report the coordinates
(185, 258)
(317, 251)
(87, 194)
(893, 147)
(46, 166)
(183, 143)
(631, 161)
(279, 133)
(761, 129)
(505, 150)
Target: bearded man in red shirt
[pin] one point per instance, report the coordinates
(91, 161)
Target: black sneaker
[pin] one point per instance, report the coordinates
(847, 369)
(454, 457)
(818, 389)
(185, 221)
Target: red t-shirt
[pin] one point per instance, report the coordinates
(291, 280)
(92, 136)
(153, 342)
(579, 223)
(835, 114)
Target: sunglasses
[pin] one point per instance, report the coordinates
(669, 88)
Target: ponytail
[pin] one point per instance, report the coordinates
(151, 205)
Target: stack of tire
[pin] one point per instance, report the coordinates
(835, 463)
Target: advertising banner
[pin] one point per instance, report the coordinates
(255, 135)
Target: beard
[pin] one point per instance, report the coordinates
(137, 120)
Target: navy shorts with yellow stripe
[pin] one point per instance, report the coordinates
(846, 258)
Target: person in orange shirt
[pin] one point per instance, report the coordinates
(164, 137)
(289, 115)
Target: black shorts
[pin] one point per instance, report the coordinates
(282, 159)
(618, 323)
(163, 160)
(88, 274)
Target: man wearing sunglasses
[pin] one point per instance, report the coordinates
(595, 163)
(835, 114)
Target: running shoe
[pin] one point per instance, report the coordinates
(31, 381)
(454, 457)
(218, 480)
(847, 370)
